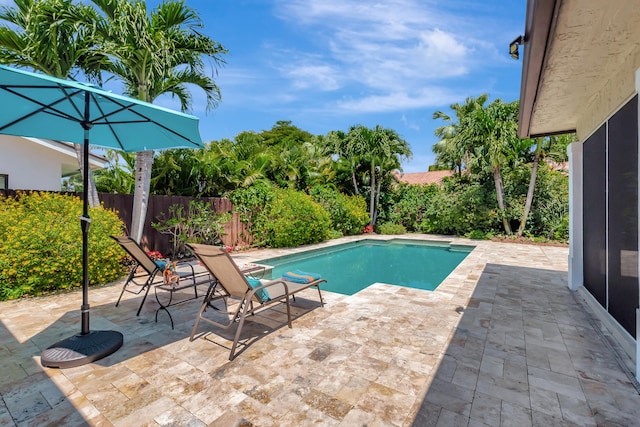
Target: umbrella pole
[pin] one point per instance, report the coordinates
(85, 222)
(87, 346)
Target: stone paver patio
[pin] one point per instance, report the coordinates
(501, 342)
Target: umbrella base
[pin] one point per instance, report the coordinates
(81, 349)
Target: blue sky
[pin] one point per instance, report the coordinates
(329, 64)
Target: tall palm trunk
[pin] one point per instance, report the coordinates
(497, 179)
(372, 196)
(355, 182)
(353, 176)
(375, 215)
(532, 186)
(144, 161)
(92, 194)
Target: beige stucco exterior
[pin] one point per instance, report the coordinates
(590, 66)
(616, 91)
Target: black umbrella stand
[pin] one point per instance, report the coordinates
(87, 346)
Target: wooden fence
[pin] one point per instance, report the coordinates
(235, 231)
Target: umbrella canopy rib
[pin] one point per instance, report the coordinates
(45, 108)
(130, 107)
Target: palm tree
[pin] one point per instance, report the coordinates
(154, 54)
(53, 37)
(378, 148)
(394, 148)
(532, 186)
(118, 177)
(494, 133)
(339, 143)
(455, 145)
(553, 147)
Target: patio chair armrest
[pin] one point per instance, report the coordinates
(272, 283)
(188, 264)
(286, 286)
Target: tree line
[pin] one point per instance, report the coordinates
(163, 51)
(358, 161)
(480, 139)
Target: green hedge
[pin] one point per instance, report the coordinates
(348, 213)
(391, 228)
(294, 219)
(252, 204)
(41, 245)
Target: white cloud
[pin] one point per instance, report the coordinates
(390, 48)
(408, 123)
(396, 101)
(309, 76)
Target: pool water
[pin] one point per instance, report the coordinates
(351, 267)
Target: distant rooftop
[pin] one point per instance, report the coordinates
(423, 178)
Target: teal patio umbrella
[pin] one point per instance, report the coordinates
(41, 106)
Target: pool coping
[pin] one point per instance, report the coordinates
(452, 277)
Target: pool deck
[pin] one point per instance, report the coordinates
(501, 342)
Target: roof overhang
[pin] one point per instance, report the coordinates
(571, 48)
(95, 162)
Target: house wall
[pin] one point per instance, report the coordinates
(30, 166)
(605, 204)
(613, 93)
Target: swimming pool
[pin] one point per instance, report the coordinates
(351, 267)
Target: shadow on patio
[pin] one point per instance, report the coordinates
(35, 395)
(527, 353)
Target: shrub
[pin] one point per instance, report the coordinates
(391, 228)
(348, 213)
(294, 219)
(550, 210)
(479, 235)
(41, 245)
(200, 224)
(251, 204)
(410, 204)
(460, 208)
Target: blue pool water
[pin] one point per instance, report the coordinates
(352, 267)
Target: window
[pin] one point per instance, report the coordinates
(4, 182)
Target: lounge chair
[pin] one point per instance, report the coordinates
(234, 283)
(151, 274)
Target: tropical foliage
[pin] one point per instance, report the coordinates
(40, 245)
(294, 219)
(481, 140)
(155, 53)
(348, 213)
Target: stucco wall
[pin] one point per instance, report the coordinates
(30, 166)
(614, 93)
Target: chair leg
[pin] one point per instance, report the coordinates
(121, 293)
(207, 299)
(288, 312)
(320, 293)
(239, 330)
(148, 286)
(129, 277)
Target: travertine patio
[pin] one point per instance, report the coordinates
(501, 342)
